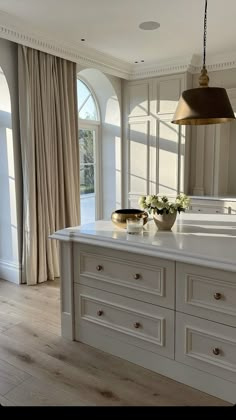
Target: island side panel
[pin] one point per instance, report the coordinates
(67, 290)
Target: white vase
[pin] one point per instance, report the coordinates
(164, 221)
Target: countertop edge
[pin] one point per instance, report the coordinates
(148, 250)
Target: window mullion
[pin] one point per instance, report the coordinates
(86, 99)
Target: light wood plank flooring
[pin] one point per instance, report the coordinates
(39, 368)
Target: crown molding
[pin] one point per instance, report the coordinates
(17, 31)
(221, 62)
(173, 66)
(191, 64)
(14, 29)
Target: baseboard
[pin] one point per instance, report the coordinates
(10, 271)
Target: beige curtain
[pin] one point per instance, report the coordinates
(50, 158)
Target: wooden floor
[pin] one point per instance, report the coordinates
(38, 367)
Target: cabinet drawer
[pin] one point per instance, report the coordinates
(206, 293)
(144, 281)
(147, 326)
(206, 345)
(208, 209)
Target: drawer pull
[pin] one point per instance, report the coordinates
(217, 296)
(216, 351)
(100, 313)
(137, 325)
(99, 268)
(137, 276)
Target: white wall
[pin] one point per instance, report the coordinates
(108, 92)
(208, 164)
(220, 78)
(213, 147)
(232, 160)
(10, 168)
(156, 153)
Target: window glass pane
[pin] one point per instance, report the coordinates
(86, 146)
(87, 184)
(89, 110)
(83, 92)
(87, 194)
(87, 175)
(87, 208)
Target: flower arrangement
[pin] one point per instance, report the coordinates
(154, 204)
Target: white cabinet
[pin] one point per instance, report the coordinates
(160, 300)
(98, 313)
(206, 345)
(209, 208)
(174, 318)
(130, 300)
(147, 279)
(209, 295)
(212, 205)
(206, 293)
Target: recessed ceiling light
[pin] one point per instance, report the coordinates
(136, 62)
(82, 39)
(142, 61)
(149, 26)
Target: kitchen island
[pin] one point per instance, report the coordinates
(163, 300)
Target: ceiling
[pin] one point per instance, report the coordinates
(111, 26)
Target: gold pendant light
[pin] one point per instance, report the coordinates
(203, 105)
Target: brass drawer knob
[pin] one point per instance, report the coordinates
(216, 351)
(99, 268)
(137, 325)
(136, 276)
(100, 312)
(217, 296)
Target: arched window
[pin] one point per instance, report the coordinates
(10, 187)
(88, 109)
(89, 122)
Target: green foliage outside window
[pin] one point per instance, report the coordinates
(86, 146)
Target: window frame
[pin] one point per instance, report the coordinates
(94, 125)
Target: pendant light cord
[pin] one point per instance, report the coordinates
(204, 36)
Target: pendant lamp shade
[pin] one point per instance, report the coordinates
(203, 105)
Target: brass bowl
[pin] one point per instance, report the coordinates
(119, 217)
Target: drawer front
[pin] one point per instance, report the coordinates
(130, 277)
(140, 324)
(208, 209)
(206, 345)
(210, 206)
(206, 293)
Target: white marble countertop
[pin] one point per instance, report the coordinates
(202, 239)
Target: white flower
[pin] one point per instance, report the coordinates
(142, 202)
(161, 204)
(149, 200)
(154, 202)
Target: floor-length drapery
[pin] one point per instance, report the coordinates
(50, 157)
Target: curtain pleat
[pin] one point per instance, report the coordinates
(50, 158)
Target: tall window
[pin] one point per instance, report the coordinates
(89, 152)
